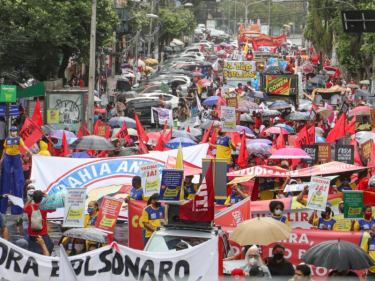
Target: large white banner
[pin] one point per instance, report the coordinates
(197, 263)
(102, 176)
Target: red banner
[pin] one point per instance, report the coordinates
(261, 171)
(108, 214)
(265, 40)
(135, 209)
(234, 215)
(30, 132)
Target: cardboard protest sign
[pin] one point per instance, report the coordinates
(74, 211)
(228, 117)
(171, 183)
(108, 214)
(344, 153)
(324, 153)
(150, 179)
(353, 204)
(318, 193)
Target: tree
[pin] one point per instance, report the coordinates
(40, 35)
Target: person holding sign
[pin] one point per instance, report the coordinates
(12, 179)
(236, 196)
(152, 216)
(325, 222)
(367, 222)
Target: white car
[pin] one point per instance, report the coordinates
(170, 99)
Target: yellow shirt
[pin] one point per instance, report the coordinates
(12, 146)
(153, 217)
(365, 247)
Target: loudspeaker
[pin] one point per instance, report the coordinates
(358, 21)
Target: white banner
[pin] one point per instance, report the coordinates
(150, 179)
(228, 117)
(163, 115)
(74, 211)
(318, 193)
(239, 70)
(102, 176)
(197, 263)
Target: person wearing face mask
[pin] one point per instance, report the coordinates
(277, 209)
(12, 178)
(325, 222)
(255, 266)
(367, 222)
(368, 245)
(152, 216)
(93, 211)
(302, 273)
(278, 265)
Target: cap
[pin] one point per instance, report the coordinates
(13, 128)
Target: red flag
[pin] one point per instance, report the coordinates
(255, 45)
(280, 141)
(30, 132)
(83, 131)
(142, 148)
(213, 139)
(207, 134)
(64, 146)
(123, 133)
(202, 207)
(37, 115)
(243, 156)
(338, 131)
(302, 137)
(51, 148)
(311, 135)
(141, 132)
(160, 143)
(350, 127)
(102, 129)
(357, 157)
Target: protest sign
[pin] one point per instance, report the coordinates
(150, 179)
(344, 153)
(318, 193)
(365, 151)
(312, 151)
(171, 182)
(30, 132)
(353, 204)
(362, 123)
(324, 153)
(239, 70)
(228, 117)
(108, 214)
(161, 115)
(232, 102)
(113, 262)
(74, 211)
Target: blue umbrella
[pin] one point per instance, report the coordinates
(248, 131)
(118, 121)
(211, 101)
(286, 127)
(175, 143)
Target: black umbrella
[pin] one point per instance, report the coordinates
(339, 255)
(92, 143)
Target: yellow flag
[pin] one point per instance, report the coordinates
(180, 165)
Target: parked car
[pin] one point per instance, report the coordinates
(142, 106)
(171, 99)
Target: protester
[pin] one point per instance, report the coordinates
(136, 193)
(278, 265)
(92, 213)
(39, 240)
(255, 266)
(236, 196)
(152, 217)
(325, 222)
(4, 232)
(224, 147)
(302, 273)
(189, 187)
(43, 149)
(369, 247)
(277, 209)
(367, 222)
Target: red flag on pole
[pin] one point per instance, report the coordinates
(64, 146)
(357, 157)
(37, 115)
(338, 131)
(311, 135)
(141, 132)
(168, 136)
(350, 127)
(160, 143)
(302, 137)
(30, 132)
(243, 156)
(280, 141)
(123, 133)
(188, 129)
(202, 207)
(51, 148)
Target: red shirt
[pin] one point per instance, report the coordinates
(363, 184)
(28, 209)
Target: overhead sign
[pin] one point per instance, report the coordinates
(239, 70)
(8, 93)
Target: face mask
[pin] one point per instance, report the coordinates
(253, 261)
(278, 212)
(90, 210)
(368, 215)
(278, 256)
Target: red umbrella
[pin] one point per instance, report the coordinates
(276, 130)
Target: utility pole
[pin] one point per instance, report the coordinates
(269, 17)
(150, 35)
(114, 54)
(90, 102)
(235, 17)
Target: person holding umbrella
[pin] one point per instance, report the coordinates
(255, 266)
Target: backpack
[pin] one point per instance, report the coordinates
(36, 222)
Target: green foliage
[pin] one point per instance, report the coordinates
(175, 24)
(40, 35)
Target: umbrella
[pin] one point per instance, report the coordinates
(299, 116)
(195, 132)
(304, 105)
(279, 105)
(290, 153)
(246, 106)
(131, 132)
(253, 141)
(260, 231)
(183, 134)
(197, 74)
(93, 143)
(175, 143)
(324, 112)
(211, 101)
(89, 233)
(206, 124)
(319, 139)
(319, 131)
(339, 255)
(360, 110)
(248, 131)
(286, 127)
(54, 201)
(269, 113)
(245, 117)
(118, 121)
(260, 95)
(363, 136)
(258, 148)
(58, 134)
(276, 130)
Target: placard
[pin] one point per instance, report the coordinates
(232, 101)
(53, 116)
(365, 151)
(353, 204)
(372, 117)
(344, 153)
(228, 117)
(74, 207)
(171, 182)
(318, 193)
(108, 213)
(362, 123)
(161, 115)
(312, 151)
(239, 70)
(8, 93)
(324, 153)
(150, 179)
